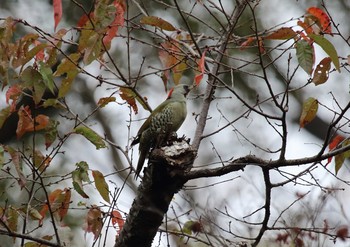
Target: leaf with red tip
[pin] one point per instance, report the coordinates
(309, 111)
(129, 96)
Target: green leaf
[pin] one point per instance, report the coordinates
(328, 48)
(68, 67)
(157, 22)
(51, 132)
(305, 55)
(309, 111)
(339, 161)
(91, 135)
(2, 157)
(83, 169)
(101, 185)
(12, 218)
(93, 49)
(79, 175)
(47, 75)
(4, 114)
(33, 78)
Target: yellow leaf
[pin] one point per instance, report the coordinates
(309, 111)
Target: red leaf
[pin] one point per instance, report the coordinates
(13, 94)
(343, 233)
(57, 9)
(117, 218)
(118, 22)
(325, 23)
(94, 221)
(83, 19)
(333, 144)
(201, 68)
(40, 55)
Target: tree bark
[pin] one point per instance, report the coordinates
(162, 179)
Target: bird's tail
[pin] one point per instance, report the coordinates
(140, 163)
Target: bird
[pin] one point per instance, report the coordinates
(163, 121)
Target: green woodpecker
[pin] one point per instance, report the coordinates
(163, 121)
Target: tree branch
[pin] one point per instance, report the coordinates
(212, 79)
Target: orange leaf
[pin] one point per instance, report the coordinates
(306, 27)
(325, 23)
(52, 197)
(27, 124)
(63, 210)
(322, 70)
(118, 22)
(201, 68)
(117, 218)
(246, 43)
(333, 144)
(309, 111)
(282, 33)
(41, 121)
(57, 9)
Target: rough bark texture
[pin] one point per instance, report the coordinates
(162, 179)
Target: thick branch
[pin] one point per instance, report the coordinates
(240, 163)
(162, 179)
